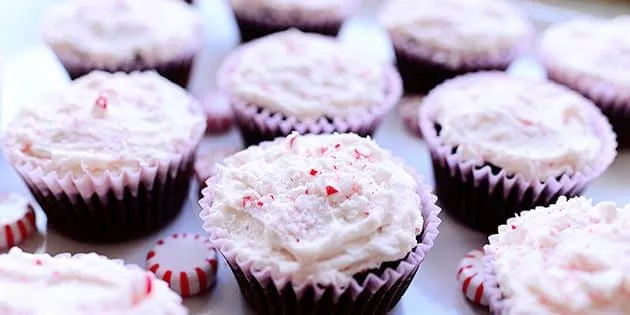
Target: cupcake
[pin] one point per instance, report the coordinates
(570, 258)
(125, 36)
(435, 40)
(320, 224)
(258, 18)
(591, 57)
(109, 157)
(294, 81)
(501, 145)
(81, 284)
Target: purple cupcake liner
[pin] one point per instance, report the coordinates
(258, 124)
(251, 28)
(107, 218)
(422, 67)
(612, 101)
(374, 291)
(177, 70)
(484, 197)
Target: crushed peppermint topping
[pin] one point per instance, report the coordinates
(330, 190)
(313, 172)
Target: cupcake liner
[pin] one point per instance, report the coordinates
(258, 124)
(111, 207)
(422, 67)
(612, 101)
(374, 291)
(177, 70)
(251, 28)
(483, 198)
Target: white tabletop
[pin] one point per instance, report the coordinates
(33, 69)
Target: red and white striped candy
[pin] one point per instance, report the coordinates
(408, 108)
(470, 276)
(17, 220)
(218, 112)
(187, 262)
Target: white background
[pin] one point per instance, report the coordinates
(31, 69)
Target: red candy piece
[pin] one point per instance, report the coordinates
(218, 112)
(470, 277)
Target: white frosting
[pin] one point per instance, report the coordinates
(474, 27)
(569, 258)
(596, 49)
(295, 10)
(83, 284)
(307, 76)
(106, 122)
(533, 128)
(13, 207)
(118, 32)
(320, 207)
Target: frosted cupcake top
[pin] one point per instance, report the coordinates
(318, 207)
(306, 9)
(465, 26)
(106, 122)
(569, 258)
(532, 128)
(307, 76)
(114, 32)
(596, 49)
(81, 284)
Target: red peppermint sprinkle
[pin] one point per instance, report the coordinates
(379, 229)
(513, 227)
(358, 154)
(101, 101)
(292, 141)
(246, 201)
(365, 213)
(330, 190)
(306, 192)
(260, 204)
(26, 147)
(337, 146)
(272, 197)
(323, 150)
(39, 262)
(313, 172)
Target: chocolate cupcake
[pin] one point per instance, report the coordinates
(570, 258)
(81, 284)
(294, 81)
(125, 36)
(320, 224)
(591, 57)
(435, 40)
(109, 157)
(258, 18)
(501, 145)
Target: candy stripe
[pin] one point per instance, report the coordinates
(478, 294)
(185, 286)
(155, 268)
(8, 233)
(467, 283)
(167, 277)
(201, 276)
(461, 269)
(150, 254)
(30, 216)
(22, 229)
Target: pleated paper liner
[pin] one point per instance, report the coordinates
(177, 70)
(423, 67)
(251, 28)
